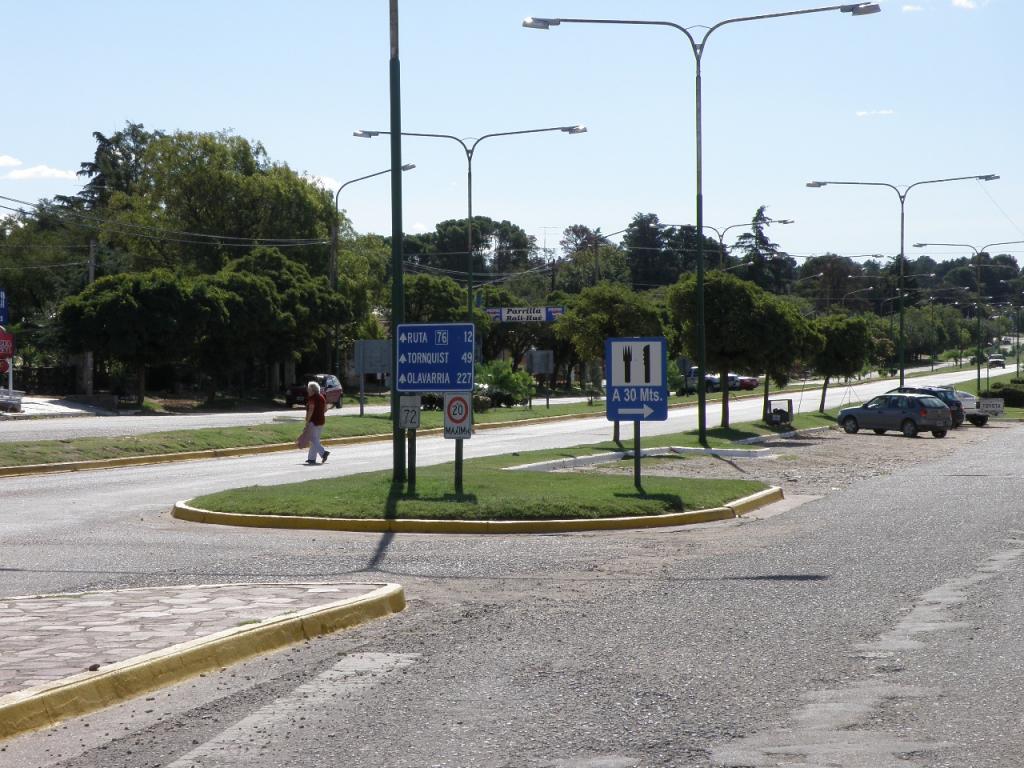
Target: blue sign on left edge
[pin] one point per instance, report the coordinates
(3, 307)
(435, 357)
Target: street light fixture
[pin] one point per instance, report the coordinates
(333, 269)
(902, 194)
(470, 150)
(977, 285)
(721, 235)
(697, 47)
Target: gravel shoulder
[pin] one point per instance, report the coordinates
(819, 462)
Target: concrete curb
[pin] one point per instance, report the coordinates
(183, 511)
(47, 704)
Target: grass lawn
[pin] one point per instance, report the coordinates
(489, 492)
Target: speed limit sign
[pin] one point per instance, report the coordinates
(458, 416)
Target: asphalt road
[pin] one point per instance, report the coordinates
(69, 427)
(879, 626)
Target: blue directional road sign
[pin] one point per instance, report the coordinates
(635, 373)
(3, 307)
(435, 357)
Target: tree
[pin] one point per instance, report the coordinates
(139, 319)
(649, 263)
(682, 243)
(731, 339)
(786, 338)
(847, 349)
(604, 311)
(432, 299)
(117, 165)
(769, 268)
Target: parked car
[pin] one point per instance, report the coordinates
(948, 396)
(907, 413)
(711, 383)
(330, 388)
(996, 362)
(748, 382)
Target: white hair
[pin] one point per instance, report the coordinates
(313, 388)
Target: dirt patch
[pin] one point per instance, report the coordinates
(819, 462)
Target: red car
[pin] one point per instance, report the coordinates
(330, 388)
(748, 382)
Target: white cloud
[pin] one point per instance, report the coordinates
(912, 8)
(6, 161)
(968, 4)
(875, 112)
(419, 226)
(40, 172)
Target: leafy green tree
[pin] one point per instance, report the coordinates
(786, 338)
(606, 311)
(769, 268)
(731, 339)
(117, 165)
(682, 242)
(515, 338)
(432, 299)
(139, 319)
(847, 349)
(650, 263)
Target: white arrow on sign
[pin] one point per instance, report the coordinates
(646, 411)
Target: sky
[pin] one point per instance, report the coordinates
(924, 90)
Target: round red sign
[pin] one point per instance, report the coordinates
(458, 409)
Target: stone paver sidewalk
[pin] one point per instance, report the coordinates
(51, 637)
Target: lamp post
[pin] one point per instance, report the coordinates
(697, 46)
(842, 301)
(902, 195)
(470, 150)
(335, 363)
(977, 286)
(721, 235)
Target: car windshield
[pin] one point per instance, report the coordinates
(931, 402)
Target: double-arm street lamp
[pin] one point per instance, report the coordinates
(470, 150)
(977, 286)
(902, 195)
(721, 235)
(697, 45)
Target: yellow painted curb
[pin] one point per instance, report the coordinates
(756, 500)
(183, 511)
(50, 703)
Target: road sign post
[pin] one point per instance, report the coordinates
(4, 314)
(439, 357)
(636, 385)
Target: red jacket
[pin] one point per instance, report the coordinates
(319, 406)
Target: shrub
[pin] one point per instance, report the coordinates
(502, 385)
(1012, 394)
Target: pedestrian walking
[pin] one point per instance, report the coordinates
(316, 407)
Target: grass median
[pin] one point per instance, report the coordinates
(490, 492)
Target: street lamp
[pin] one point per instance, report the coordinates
(698, 46)
(842, 301)
(335, 362)
(470, 150)
(903, 201)
(721, 235)
(977, 286)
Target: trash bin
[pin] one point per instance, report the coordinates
(780, 412)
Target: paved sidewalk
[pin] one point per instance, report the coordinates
(81, 641)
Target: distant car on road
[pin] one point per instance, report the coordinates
(907, 413)
(996, 362)
(748, 382)
(330, 388)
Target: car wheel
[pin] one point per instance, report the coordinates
(850, 425)
(938, 433)
(978, 421)
(908, 428)
(957, 422)
(337, 404)
(878, 431)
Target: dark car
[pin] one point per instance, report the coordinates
(948, 396)
(906, 413)
(330, 388)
